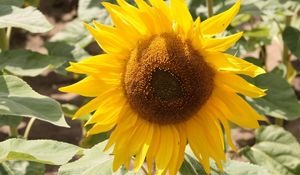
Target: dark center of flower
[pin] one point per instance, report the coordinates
(165, 85)
(166, 80)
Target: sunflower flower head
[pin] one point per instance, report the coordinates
(163, 82)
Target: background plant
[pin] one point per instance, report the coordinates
(276, 151)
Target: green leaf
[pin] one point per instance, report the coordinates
(93, 162)
(23, 168)
(18, 3)
(233, 167)
(63, 49)
(28, 18)
(74, 33)
(89, 10)
(42, 151)
(275, 149)
(240, 19)
(71, 53)
(291, 37)
(191, 166)
(18, 99)
(258, 33)
(27, 63)
(250, 9)
(10, 120)
(280, 101)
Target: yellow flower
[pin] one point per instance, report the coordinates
(163, 82)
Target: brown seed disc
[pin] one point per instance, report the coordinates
(166, 80)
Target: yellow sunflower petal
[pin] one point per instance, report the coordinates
(119, 159)
(134, 142)
(143, 152)
(182, 15)
(218, 60)
(138, 138)
(229, 63)
(196, 36)
(100, 128)
(109, 42)
(119, 33)
(220, 22)
(122, 25)
(154, 146)
(182, 145)
(209, 139)
(128, 14)
(197, 144)
(242, 67)
(239, 85)
(150, 17)
(176, 150)
(221, 44)
(144, 18)
(93, 70)
(216, 112)
(124, 125)
(236, 109)
(94, 104)
(105, 116)
(165, 150)
(89, 87)
(109, 108)
(165, 17)
(227, 132)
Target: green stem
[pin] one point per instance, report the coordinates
(8, 34)
(3, 40)
(28, 128)
(285, 54)
(209, 4)
(13, 131)
(286, 62)
(279, 121)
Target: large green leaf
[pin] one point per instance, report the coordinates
(18, 3)
(191, 166)
(233, 167)
(275, 149)
(27, 63)
(280, 101)
(42, 151)
(18, 99)
(74, 33)
(70, 53)
(63, 49)
(291, 37)
(28, 18)
(10, 120)
(13, 167)
(93, 161)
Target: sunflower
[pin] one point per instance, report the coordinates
(163, 82)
